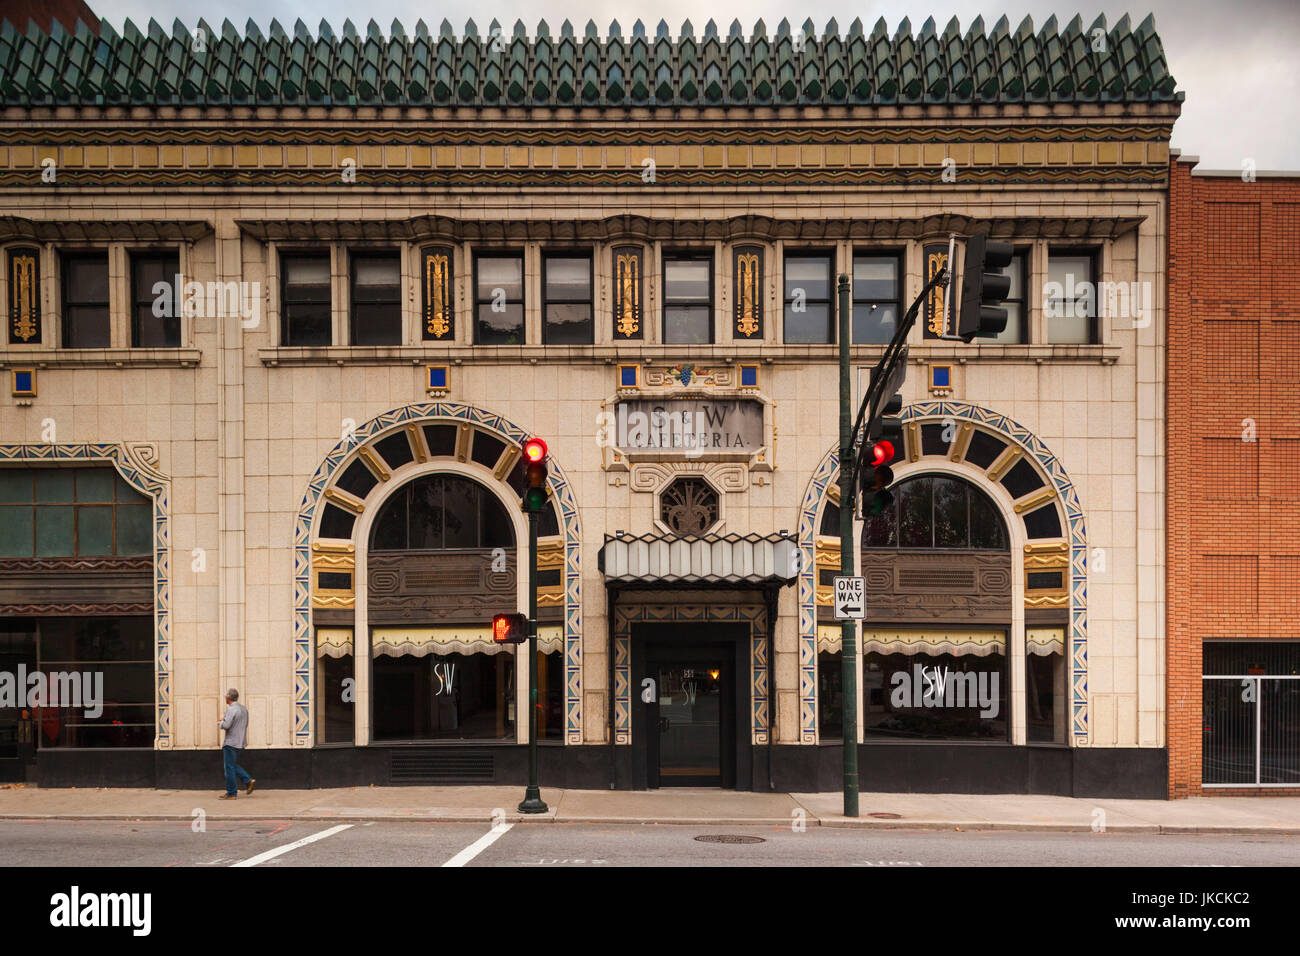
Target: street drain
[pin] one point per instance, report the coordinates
(728, 838)
(886, 816)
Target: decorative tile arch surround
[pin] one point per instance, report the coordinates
(312, 504)
(137, 463)
(1011, 431)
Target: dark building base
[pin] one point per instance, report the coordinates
(882, 768)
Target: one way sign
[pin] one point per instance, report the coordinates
(850, 598)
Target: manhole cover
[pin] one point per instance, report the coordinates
(728, 838)
(886, 816)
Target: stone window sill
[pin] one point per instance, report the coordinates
(767, 353)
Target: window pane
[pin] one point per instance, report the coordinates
(95, 529)
(155, 332)
(986, 528)
(148, 271)
(390, 527)
(1068, 307)
(375, 277)
(569, 324)
(914, 499)
(500, 272)
(95, 484)
(461, 513)
(810, 326)
(15, 485)
(377, 324)
(426, 515)
(687, 325)
(307, 273)
(134, 529)
(874, 323)
(498, 532)
(16, 531)
(881, 531)
(306, 301)
(55, 484)
(811, 274)
(568, 279)
(875, 277)
(87, 327)
(505, 327)
(54, 531)
(86, 278)
(830, 696)
(687, 279)
(949, 514)
(451, 696)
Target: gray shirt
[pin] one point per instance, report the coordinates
(235, 724)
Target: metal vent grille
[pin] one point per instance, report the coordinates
(936, 579)
(441, 766)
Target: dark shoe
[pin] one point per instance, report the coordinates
(248, 787)
(228, 796)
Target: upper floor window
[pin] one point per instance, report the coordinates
(71, 512)
(440, 512)
(688, 299)
(808, 313)
(566, 298)
(936, 511)
(876, 295)
(305, 300)
(1017, 306)
(149, 329)
(499, 300)
(1070, 300)
(376, 291)
(85, 301)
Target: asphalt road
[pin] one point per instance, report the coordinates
(263, 844)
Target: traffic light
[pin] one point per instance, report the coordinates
(984, 288)
(534, 499)
(876, 494)
(509, 629)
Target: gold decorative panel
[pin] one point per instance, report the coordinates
(24, 297)
(439, 302)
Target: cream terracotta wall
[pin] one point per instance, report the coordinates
(239, 440)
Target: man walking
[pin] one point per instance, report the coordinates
(235, 724)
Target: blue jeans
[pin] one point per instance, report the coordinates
(235, 774)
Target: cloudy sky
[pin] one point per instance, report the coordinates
(1236, 60)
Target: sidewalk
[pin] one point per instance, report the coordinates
(687, 806)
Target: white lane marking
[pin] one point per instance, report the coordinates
(271, 854)
(479, 845)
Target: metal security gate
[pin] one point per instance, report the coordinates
(1250, 733)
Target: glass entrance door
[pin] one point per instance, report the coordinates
(690, 723)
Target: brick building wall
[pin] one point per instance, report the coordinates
(1233, 433)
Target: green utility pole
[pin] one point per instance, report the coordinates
(847, 494)
(533, 795)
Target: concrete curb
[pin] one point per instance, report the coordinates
(551, 818)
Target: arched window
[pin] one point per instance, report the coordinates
(442, 513)
(937, 511)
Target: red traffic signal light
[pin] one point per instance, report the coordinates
(509, 629)
(882, 453)
(534, 498)
(535, 451)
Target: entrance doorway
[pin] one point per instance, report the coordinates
(688, 692)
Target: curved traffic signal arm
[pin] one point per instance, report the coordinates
(984, 288)
(535, 471)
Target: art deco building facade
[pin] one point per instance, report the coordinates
(282, 308)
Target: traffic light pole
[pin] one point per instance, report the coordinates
(849, 470)
(532, 802)
(848, 628)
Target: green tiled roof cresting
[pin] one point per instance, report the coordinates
(498, 69)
